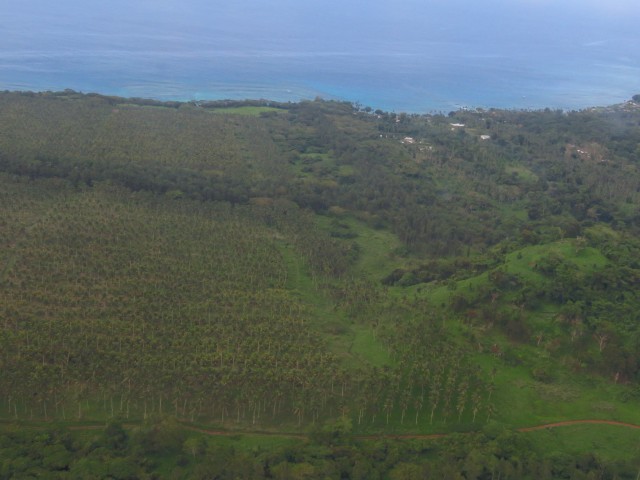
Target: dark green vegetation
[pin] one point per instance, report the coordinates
(164, 449)
(252, 265)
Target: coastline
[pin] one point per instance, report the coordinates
(228, 102)
(417, 84)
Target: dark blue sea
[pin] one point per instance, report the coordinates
(408, 55)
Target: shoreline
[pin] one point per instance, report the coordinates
(171, 100)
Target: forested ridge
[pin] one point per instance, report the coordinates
(318, 267)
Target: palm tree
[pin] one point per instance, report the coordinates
(388, 406)
(417, 403)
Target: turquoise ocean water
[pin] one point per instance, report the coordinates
(410, 56)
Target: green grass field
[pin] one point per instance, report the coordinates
(247, 110)
(608, 442)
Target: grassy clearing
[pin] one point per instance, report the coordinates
(248, 110)
(524, 261)
(146, 107)
(522, 401)
(610, 442)
(316, 167)
(378, 248)
(301, 283)
(366, 348)
(380, 257)
(439, 294)
(351, 343)
(522, 173)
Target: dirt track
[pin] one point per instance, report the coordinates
(399, 436)
(223, 433)
(545, 426)
(578, 422)
(431, 436)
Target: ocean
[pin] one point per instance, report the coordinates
(409, 56)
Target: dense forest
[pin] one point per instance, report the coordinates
(316, 271)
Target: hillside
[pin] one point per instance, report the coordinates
(257, 266)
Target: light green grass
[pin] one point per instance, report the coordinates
(315, 167)
(378, 247)
(608, 442)
(146, 107)
(346, 170)
(601, 232)
(352, 344)
(365, 347)
(523, 261)
(521, 401)
(248, 110)
(522, 173)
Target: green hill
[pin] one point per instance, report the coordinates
(255, 266)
